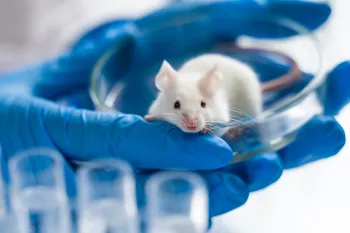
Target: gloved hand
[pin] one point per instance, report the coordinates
(29, 118)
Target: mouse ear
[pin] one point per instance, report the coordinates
(211, 81)
(165, 77)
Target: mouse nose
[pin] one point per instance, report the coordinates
(191, 122)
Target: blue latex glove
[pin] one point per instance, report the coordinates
(29, 118)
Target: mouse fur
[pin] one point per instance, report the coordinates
(227, 86)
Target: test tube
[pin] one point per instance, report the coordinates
(177, 202)
(7, 221)
(107, 198)
(39, 199)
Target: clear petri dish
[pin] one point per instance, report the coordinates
(123, 79)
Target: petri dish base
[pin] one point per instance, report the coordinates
(123, 79)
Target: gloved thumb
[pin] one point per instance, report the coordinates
(87, 135)
(336, 91)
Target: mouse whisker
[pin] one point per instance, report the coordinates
(214, 125)
(219, 122)
(233, 117)
(208, 128)
(236, 120)
(240, 112)
(244, 125)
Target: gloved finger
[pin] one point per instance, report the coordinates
(258, 172)
(21, 81)
(225, 191)
(48, 78)
(324, 137)
(316, 12)
(98, 39)
(85, 135)
(105, 35)
(235, 17)
(70, 70)
(203, 29)
(79, 98)
(74, 70)
(320, 138)
(337, 94)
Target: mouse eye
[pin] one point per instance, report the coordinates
(177, 105)
(203, 104)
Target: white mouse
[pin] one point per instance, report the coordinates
(206, 90)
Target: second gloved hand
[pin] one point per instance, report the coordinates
(28, 122)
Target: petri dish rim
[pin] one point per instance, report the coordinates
(317, 81)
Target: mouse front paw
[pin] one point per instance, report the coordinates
(150, 118)
(204, 131)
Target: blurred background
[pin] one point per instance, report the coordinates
(311, 199)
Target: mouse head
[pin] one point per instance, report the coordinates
(188, 98)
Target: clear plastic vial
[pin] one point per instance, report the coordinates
(7, 221)
(177, 202)
(39, 199)
(107, 198)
